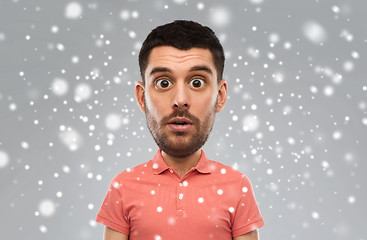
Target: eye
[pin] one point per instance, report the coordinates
(163, 83)
(197, 83)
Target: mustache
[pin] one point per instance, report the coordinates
(180, 113)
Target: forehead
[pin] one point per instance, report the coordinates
(163, 56)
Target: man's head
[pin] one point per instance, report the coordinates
(182, 35)
(181, 92)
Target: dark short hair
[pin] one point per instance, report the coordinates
(183, 35)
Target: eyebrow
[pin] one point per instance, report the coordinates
(196, 68)
(159, 69)
(202, 68)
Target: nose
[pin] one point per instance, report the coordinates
(181, 98)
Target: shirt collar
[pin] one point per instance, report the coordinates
(203, 165)
(159, 165)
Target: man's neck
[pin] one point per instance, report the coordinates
(182, 165)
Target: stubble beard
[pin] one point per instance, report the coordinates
(180, 145)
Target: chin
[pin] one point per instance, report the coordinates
(180, 133)
(181, 148)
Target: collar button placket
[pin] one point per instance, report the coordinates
(181, 196)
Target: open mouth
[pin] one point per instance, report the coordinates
(180, 123)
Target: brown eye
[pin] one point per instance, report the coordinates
(197, 83)
(163, 83)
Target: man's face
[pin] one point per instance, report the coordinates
(180, 98)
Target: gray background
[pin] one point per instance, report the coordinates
(295, 120)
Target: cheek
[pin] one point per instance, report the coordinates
(205, 105)
(155, 106)
(213, 99)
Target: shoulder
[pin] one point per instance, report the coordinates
(229, 174)
(220, 170)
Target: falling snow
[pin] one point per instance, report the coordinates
(60, 87)
(314, 32)
(159, 209)
(73, 10)
(219, 16)
(295, 121)
(4, 159)
(47, 208)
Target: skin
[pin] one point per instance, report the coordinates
(202, 102)
(110, 234)
(157, 101)
(253, 235)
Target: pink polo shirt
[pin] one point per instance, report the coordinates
(152, 202)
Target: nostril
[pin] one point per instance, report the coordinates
(184, 105)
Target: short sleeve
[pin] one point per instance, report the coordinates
(111, 213)
(247, 216)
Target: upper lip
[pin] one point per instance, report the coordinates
(180, 119)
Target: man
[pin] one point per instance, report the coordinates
(180, 194)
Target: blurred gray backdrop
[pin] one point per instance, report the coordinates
(295, 122)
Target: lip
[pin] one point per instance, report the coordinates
(180, 119)
(180, 128)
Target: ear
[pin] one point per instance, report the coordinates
(222, 95)
(139, 94)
